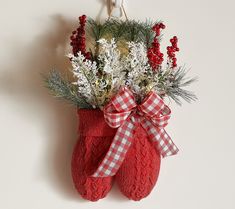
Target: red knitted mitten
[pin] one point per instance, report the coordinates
(139, 172)
(95, 139)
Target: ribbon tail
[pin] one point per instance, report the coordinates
(165, 145)
(117, 151)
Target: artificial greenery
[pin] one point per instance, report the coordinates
(62, 88)
(129, 30)
(169, 83)
(172, 84)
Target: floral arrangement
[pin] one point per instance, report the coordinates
(121, 53)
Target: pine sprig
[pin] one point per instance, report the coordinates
(147, 34)
(117, 28)
(98, 30)
(62, 88)
(176, 90)
(129, 30)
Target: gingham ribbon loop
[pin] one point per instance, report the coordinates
(123, 113)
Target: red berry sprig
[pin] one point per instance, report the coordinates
(154, 54)
(78, 39)
(171, 52)
(157, 28)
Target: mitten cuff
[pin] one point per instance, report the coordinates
(92, 123)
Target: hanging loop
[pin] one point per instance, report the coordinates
(117, 9)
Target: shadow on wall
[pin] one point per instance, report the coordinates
(22, 82)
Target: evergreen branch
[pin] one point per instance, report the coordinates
(176, 91)
(97, 30)
(146, 33)
(171, 82)
(63, 89)
(129, 30)
(117, 28)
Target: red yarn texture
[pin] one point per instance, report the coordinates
(138, 173)
(94, 141)
(140, 169)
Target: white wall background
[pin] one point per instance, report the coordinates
(37, 133)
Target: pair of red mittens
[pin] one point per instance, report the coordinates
(138, 173)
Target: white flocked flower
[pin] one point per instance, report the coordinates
(97, 81)
(137, 67)
(85, 72)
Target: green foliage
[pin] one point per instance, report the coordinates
(128, 30)
(176, 90)
(97, 30)
(62, 88)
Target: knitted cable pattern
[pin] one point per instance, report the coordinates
(140, 169)
(95, 139)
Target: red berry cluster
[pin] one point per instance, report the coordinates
(154, 54)
(157, 28)
(171, 51)
(78, 39)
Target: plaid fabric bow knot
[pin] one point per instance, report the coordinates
(123, 113)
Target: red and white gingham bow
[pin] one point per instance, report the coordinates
(123, 112)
